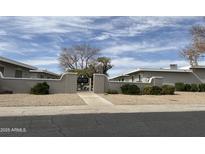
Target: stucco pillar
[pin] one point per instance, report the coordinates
(100, 83)
(70, 82)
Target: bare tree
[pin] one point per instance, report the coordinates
(190, 54)
(197, 47)
(77, 57)
(86, 54)
(68, 59)
(198, 33)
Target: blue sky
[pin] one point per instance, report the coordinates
(131, 42)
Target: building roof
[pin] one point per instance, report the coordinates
(6, 60)
(44, 71)
(199, 66)
(152, 70)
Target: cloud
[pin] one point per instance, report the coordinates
(38, 40)
(137, 48)
(43, 61)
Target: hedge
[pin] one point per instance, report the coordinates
(194, 87)
(147, 90)
(187, 87)
(152, 90)
(190, 87)
(168, 90)
(130, 89)
(179, 86)
(201, 87)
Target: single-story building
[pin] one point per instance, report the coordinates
(12, 68)
(43, 74)
(171, 75)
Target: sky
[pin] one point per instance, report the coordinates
(131, 42)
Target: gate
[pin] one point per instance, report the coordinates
(84, 84)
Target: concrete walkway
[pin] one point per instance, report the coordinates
(93, 99)
(88, 109)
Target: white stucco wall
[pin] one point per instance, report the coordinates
(101, 83)
(66, 84)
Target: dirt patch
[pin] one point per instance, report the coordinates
(8, 100)
(178, 98)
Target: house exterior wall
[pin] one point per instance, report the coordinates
(42, 75)
(169, 77)
(9, 70)
(173, 77)
(200, 73)
(66, 84)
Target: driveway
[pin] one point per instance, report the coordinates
(115, 124)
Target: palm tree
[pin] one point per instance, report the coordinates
(105, 64)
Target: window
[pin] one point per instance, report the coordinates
(132, 78)
(2, 70)
(123, 79)
(139, 77)
(18, 74)
(41, 76)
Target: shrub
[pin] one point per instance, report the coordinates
(40, 89)
(201, 87)
(156, 90)
(109, 91)
(130, 89)
(179, 86)
(187, 87)
(168, 90)
(133, 90)
(124, 88)
(194, 87)
(152, 90)
(147, 90)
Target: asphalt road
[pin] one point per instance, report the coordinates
(165, 124)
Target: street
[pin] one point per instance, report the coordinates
(111, 124)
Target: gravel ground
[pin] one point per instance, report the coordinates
(8, 100)
(178, 98)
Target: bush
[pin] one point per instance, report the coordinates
(130, 89)
(179, 86)
(201, 87)
(152, 90)
(147, 90)
(133, 90)
(156, 90)
(167, 90)
(194, 87)
(109, 91)
(124, 88)
(40, 89)
(187, 87)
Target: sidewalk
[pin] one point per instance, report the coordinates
(85, 109)
(93, 99)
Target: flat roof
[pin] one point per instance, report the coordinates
(200, 66)
(43, 71)
(6, 60)
(153, 70)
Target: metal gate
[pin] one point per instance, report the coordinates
(84, 84)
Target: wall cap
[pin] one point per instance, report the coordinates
(36, 79)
